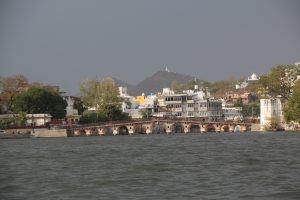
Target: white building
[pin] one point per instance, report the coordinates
(188, 104)
(232, 113)
(38, 119)
(270, 109)
(167, 91)
(149, 101)
(123, 92)
(251, 79)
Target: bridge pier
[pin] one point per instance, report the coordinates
(77, 132)
(244, 128)
(169, 128)
(131, 129)
(186, 128)
(115, 130)
(148, 128)
(231, 128)
(88, 131)
(224, 128)
(203, 128)
(101, 131)
(217, 128)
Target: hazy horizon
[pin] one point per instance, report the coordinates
(61, 42)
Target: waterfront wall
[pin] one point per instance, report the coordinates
(51, 133)
(18, 130)
(255, 128)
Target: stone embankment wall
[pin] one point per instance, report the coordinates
(51, 133)
(18, 130)
(255, 128)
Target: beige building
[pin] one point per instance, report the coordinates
(38, 119)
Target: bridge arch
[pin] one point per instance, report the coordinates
(195, 128)
(225, 128)
(179, 127)
(238, 128)
(123, 130)
(211, 128)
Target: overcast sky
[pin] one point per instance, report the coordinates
(61, 42)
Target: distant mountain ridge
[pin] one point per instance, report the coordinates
(155, 83)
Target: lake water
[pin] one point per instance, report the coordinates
(178, 166)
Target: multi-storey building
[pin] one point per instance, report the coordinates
(189, 104)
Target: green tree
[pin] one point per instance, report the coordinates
(251, 110)
(104, 96)
(78, 104)
(22, 118)
(146, 113)
(239, 102)
(274, 125)
(9, 88)
(292, 108)
(280, 80)
(92, 117)
(41, 100)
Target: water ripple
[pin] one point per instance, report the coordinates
(192, 166)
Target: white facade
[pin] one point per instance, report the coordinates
(269, 109)
(70, 107)
(149, 101)
(167, 91)
(38, 119)
(232, 113)
(123, 92)
(297, 64)
(189, 104)
(134, 113)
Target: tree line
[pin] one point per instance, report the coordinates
(18, 96)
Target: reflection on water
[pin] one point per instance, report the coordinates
(192, 166)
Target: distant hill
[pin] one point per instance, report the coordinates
(155, 83)
(130, 88)
(163, 79)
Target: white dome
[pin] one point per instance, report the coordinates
(253, 77)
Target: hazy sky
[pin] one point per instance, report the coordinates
(61, 42)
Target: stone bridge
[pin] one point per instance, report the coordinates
(157, 126)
